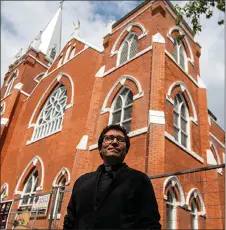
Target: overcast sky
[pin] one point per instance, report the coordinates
(21, 21)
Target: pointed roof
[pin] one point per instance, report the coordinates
(50, 37)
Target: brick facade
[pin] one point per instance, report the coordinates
(150, 75)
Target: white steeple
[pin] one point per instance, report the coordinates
(48, 41)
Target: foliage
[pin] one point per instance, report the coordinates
(194, 9)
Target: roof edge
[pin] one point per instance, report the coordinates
(146, 2)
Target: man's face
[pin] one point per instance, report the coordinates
(113, 151)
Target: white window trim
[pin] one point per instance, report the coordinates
(122, 81)
(173, 181)
(218, 160)
(56, 79)
(60, 62)
(11, 80)
(63, 171)
(73, 50)
(28, 194)
(217, 140)
(131, 134)
(194, 218)
(40, 74)
(179, 127)
(6, 192)
(128, 29)
(183, 88)
(190, 152)
(122, 108)
(66, 57)
(32, 162)
(58, 187)
(196, 193)
(178, 48)
(174, 204)
(181, 32)
(43, 130)
(129, 48)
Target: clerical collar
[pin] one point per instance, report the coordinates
(111, 168)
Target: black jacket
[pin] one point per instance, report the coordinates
(129, 203)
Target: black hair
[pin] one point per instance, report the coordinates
(114, 127)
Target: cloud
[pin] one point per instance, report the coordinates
(22, 20)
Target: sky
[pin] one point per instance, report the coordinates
(21, 21)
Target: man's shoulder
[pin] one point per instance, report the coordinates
(85, 177)
(136, 174)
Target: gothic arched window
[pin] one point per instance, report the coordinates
(51, 116)
(180, 120)
(67, 54)
(9, 85)
(128, 48)
(171, 210)
(180, 54)
(194, 214)
(60, 61)
(59, 196)
(121, 111)
(29, 189)
(73, 52)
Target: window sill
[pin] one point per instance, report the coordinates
(136, 56)
(33, 141)
(193, 154)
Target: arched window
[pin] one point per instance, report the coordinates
(121, 111)
(60, 61)
(4, 191)
(9, 85)
(73, 52)
(180, 54)
(67, 54)
(180, 120)
(194, 214)
(51, 116)
(171, 210)
(29, 189)
(53, 53)
(128, 48)
(196, 206)
(2, 108)
(59, 196)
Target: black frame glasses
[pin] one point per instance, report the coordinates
(108, 139)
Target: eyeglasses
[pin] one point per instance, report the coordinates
(110, 138)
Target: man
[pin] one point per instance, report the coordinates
(114, 196)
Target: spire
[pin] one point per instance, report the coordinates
(48, 41)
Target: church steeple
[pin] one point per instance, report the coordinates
(48, 41)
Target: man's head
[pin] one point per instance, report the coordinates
(113, 144)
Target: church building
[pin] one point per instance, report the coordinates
(55, 101)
